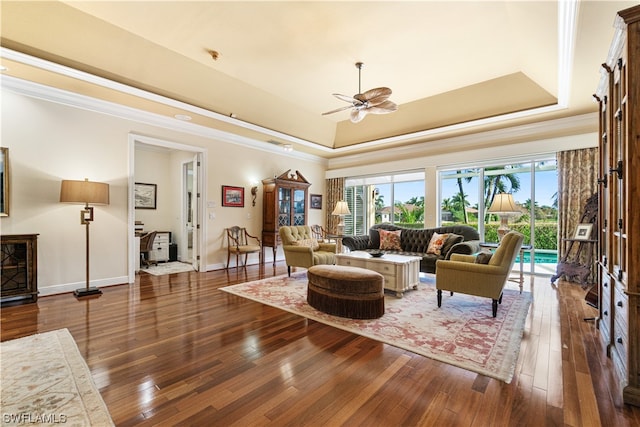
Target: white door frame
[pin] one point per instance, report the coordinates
(202, 180)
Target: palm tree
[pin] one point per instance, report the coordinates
(379, 205)
(462, 195)
(459, 203)
(410, 216)
(447, 204)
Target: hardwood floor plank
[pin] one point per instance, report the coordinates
(175, 350)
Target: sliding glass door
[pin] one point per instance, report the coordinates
(466, 197)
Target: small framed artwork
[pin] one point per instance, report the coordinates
(315, 201)
(145, 195)
(583, 232)
(232, 196)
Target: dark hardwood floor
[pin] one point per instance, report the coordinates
(174, 350)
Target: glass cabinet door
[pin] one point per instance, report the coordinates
(299, 200)
(284, 206)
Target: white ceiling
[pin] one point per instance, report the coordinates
(279, 62)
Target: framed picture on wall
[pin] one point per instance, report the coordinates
(232, 196)
(583, 232)
(145, 195)
(315, 201)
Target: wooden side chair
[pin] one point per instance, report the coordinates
(240, 242)
(320, 234)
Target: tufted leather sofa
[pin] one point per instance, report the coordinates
(416, 241)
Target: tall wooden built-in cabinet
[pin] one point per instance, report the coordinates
(284, 203)
(619, 204)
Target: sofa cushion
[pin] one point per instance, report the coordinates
(436, 243)
(390, 240)
(309, 243)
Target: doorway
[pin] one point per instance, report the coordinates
(187, 228)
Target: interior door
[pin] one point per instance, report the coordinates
(190, 236)
(195, 209)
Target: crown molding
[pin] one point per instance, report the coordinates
(72, 99)
(532, 131)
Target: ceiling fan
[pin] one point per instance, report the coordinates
(374, 101)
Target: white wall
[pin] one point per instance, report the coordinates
(50, 142)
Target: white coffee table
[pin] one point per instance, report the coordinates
(400, 272)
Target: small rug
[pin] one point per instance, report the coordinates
(45, 381)
(168, 268)
(461, 333)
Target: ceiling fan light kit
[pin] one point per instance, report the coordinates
(373, 101)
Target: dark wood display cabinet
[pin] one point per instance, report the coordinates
(19, 268)
(284, 203)
(619, 204)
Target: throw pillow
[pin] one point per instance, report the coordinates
(436, 243)
(390, 240)
(483, 257)
(453, 239)
(309, 243)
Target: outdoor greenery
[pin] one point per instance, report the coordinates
(410, 214)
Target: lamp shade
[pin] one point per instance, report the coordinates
(341, 208)
(503, 203)
(88, 192)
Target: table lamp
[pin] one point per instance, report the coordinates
(87, 192)
(504, 206)
(341, 210)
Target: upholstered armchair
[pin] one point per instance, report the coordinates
(468, 274)
(301, 249)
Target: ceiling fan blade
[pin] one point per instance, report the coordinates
(379, 94)
(358, 114)
(346, 98)
(338, 109)
(384, 108)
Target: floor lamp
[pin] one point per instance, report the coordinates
(87, 192)
(341, 210)
(504, 206)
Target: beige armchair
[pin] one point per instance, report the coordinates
(463, 274)
(301, 249)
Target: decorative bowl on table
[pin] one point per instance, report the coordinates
(376, 254)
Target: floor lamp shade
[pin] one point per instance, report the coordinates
(85, 192)
(504, 206)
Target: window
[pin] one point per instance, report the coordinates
(397, 198)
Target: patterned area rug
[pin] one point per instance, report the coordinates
(461, 333)
(168, 268)
(45, 381)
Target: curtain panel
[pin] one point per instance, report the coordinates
(335, 193)
(577, 182)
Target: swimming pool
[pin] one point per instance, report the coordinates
(542, 257)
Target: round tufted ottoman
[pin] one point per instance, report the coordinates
(343, 291)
